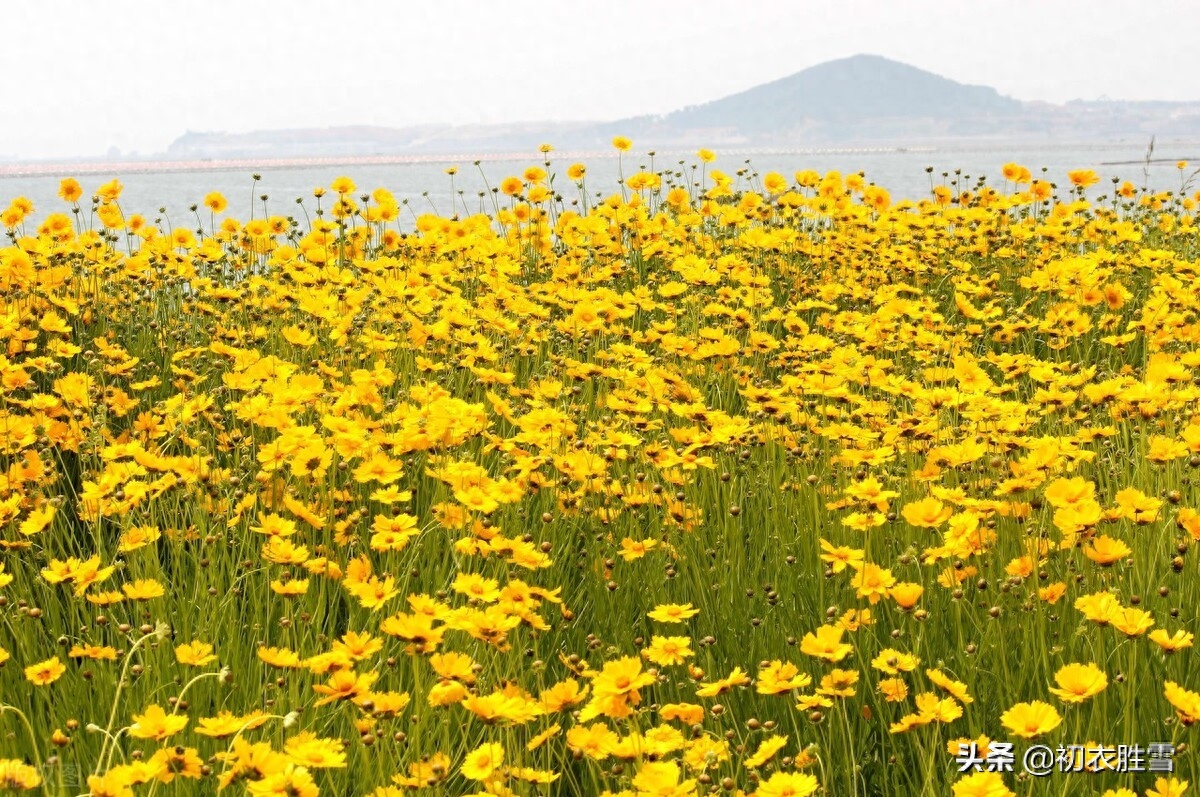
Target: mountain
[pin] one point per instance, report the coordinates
(864, 100)
(842, 98)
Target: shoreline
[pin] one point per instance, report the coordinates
(167, 165)
(164, 165)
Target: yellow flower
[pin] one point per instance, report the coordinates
(931, 709)
(37, 521)
(766, 751)
(534, 174)
(622, 144)
(308, 750)
(840, 557)
(665, 651)
(342, 185)
(543, 737)
(1099, 607)
(661, 778)
(446, 693)
(621, 678)
(482, 762)
(110, 191)
(278, 657)
(137, 537)
(195, 654)
(872, 582)
(956, 688)
(45, 672)
(1083, 177)
(227, 723)
(95, 652)
(18, 775)
(143, 589)
(344, 685)
(839, 683)
(293, 781)
(454, 666)
(672, 612)
(982, 784)
(476, 587)
(906, 594)
(1013, 172)
(1186, 702)
(1028, 720)
(1131, 621)
(1062, 492)
(788, 784)
(155, 723)
(215, 202)
(774, 183)
(778, 677)
(636, 549)
(69, 189)
(1051, 593)
(893, 662)
(806, 702)
(105, 598)
(1106, 550)
(290, 588)
(1171, 643)
(1167, 787)
(1132, 503)
(687, 713)
(720, 687)
(894, 690)
(826, 644)
(274, 525)
(1078, 682)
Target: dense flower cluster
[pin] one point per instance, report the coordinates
(737, 484)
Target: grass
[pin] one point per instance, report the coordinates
(292, 505)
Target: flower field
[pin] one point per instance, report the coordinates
(704, 483)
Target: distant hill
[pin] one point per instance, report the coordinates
(840, 97)
(861, 100)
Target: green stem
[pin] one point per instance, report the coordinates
(158, 633)
(37, 756)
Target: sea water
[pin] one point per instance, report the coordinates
(426, 187)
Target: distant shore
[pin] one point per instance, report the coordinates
(163, 165)
(166, 165)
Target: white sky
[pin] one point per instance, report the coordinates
(83, 76)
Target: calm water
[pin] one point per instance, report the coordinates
(427, 187)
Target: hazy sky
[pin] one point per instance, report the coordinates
(83, 76)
